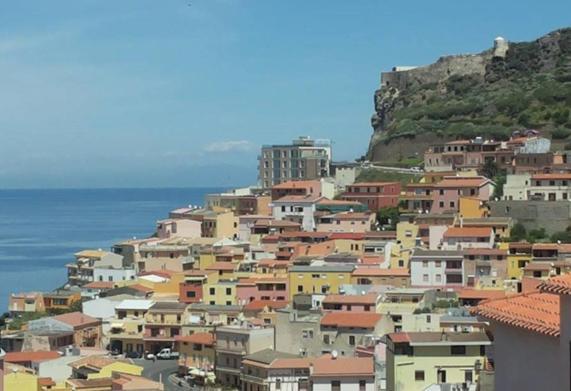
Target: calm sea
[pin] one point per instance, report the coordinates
(40, 230)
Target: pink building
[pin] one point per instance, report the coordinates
(459, 238)
(375, 195)
(346, 222)
(351, 303)
(446, 193)
(301, 188)
(178, 228)
(264, 289)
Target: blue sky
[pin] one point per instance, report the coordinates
(162, 93)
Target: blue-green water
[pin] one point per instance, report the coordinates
(40, 230)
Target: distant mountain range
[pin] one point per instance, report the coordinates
(509, 87)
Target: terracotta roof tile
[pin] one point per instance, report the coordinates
(455, 182)
(552, 176)
(140, 288)
(560, 285)
(296, 185)
(198, 338)
(350, 319)
(258, 305)
(457, 232)
(99, 285)
(538, 312)
(20, 357)
(77, 319)
(343, 366)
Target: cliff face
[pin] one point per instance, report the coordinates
(508, 87)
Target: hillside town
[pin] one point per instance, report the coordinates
(452, 275)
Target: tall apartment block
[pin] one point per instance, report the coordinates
(303, 159)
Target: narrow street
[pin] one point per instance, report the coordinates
(160, 370)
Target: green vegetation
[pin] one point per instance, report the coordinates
(377, 175)
(517, 92)
(518, 233)
(388, 217)
(17, 322)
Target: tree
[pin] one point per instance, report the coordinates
(388, 216)
(490, 169)
(518, 233)
(500, 181)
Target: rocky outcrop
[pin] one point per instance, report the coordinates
(466, 90)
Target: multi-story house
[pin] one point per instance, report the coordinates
(346, 222)
(87, 331)
(446, 194)
(299, 209)
(417, 360)
(184, 228)
(272, 370)
(536, 325)
(334, 373)
(262, 288)
(233, 343)
(538, 187)
(192, 288)
(304, 159)
(398, 277)
(127, 327)
(351, 303)
(318, 278)
(436, 268)
(215, 223)
(317, 187)
(163, 322)
(458, 238)
(375, 195)
(26, 302)
(485, 268)
(196, 351)
(248, 203)
(81, 271)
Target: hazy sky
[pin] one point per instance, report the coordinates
(182, 93)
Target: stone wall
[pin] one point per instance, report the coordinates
(554, 216)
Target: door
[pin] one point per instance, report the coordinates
(441, 376)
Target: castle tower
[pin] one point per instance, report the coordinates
(501, 47)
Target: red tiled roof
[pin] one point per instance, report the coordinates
(140, 288)
(291, 363)
(457, 232)
(399, 337)
(343, 366)
(378, 272)
(560, 285)
(46, 382)
(198, 338)
(77, 319)
(538, 312)
(552, 176)
(350, 319)
(455, 182)
(21, 357)
(99, 285)
(347, 235)
(258, 305)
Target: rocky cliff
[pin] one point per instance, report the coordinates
(490, 94)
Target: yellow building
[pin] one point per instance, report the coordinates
(472, 208)
(407, 234)
(118, 366)
(196, 351)
(127, 327)
(417, 360)
(163, 322)
(220, 292)
(519, 255)
(318, 278)
(20, 381)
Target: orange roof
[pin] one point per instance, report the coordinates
(258, 305)
(99, 285)
(370, 298)
(287, 363)
(343, 366)
(347, 235)
(464, 232)
(378, 272)
(296, 185)
(226, 266)
(538, 312)
(480, 294)
(399, 337)
(299, 198)
(46, 382)
(454, 182)
(350, 319)
(76, 319)
(372, 259)
(545, 246)
(94, 362)
(140, 288)
(273, 263)
(197, 338)
(21, 357)
(560, 285)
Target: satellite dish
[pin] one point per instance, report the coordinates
(334, 354)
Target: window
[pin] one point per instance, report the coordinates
(278, 384)
(190, 294)
(335, 385)
(425, 278)
(439, 278)
(300, 288)
(362, 385)
(424, 263)
(459, 350)
(419, 375)
(352, 340)
(401, 263)
(228, 291)
(468, 376)
(212, 291)
(441, 204)
(452, 204)
(438, 263)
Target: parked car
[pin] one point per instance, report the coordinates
(133, 354)
(164, 354)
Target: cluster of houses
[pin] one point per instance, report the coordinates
(303, 286)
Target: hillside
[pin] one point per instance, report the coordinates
(508, 87)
